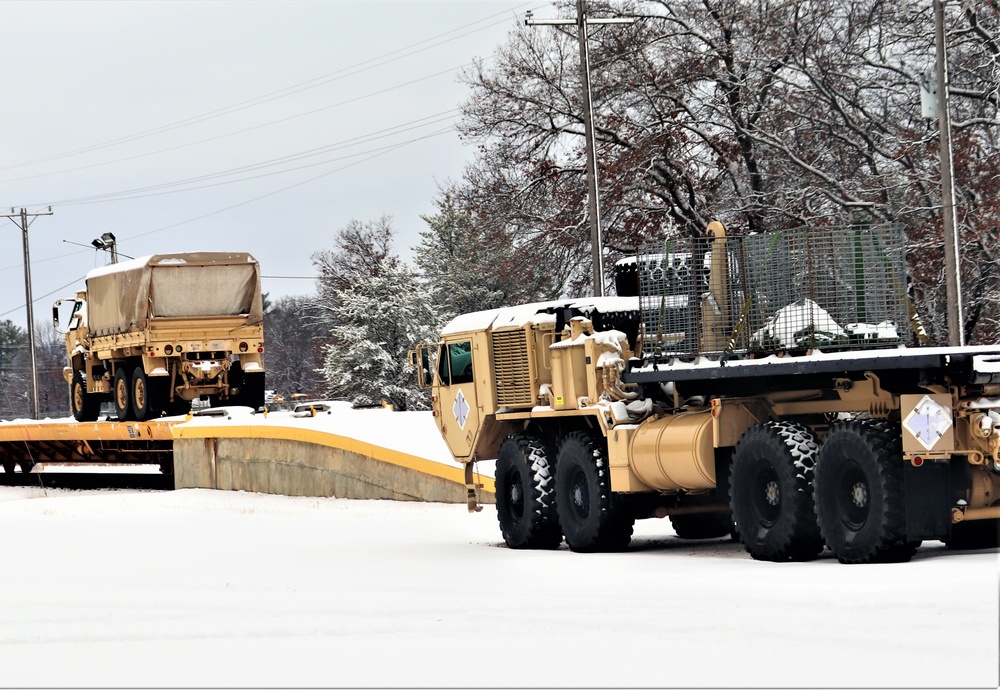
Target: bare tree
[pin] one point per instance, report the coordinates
(765, 114)
(293, 345)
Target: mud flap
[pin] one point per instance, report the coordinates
(931, 490)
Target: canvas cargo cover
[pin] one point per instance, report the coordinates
(123, 296)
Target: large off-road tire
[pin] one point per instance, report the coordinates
(121, 395)
(772, 494)
(590, 515)
(86, 407)
(149, 395)
(702, 525)
(860, 498)
(525, 493)
(975, 534)
(9, 466)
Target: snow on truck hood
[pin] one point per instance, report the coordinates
(537, 312)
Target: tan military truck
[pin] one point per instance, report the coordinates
(770, 387)
(155, 333)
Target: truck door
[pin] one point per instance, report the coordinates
(458, 411)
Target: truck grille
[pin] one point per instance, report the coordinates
(511, 370)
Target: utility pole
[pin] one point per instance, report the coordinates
(582, 21)
(952, 265)
(24, 223)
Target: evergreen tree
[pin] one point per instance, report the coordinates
(378, 321)
(374, 309)
(360, 249)
(470, 266)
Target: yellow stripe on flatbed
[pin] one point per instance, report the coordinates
(87, 431)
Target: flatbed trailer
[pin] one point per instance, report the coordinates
(913, 366)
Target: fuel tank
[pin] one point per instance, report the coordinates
(675, 452)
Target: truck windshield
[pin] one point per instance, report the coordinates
(455, 363)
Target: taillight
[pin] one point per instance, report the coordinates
(168, 349)
(260, 349)
(243, 347)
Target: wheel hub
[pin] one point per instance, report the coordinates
(859, 494)
(853, 501)
(516, 498)
(580, 495)
(772, 493)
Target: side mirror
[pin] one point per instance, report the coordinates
(420, 360)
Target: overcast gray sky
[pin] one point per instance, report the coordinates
(249, 126)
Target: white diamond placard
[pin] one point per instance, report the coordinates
(928, 422)
(461, 409)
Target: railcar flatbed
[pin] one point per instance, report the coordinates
(28, 442)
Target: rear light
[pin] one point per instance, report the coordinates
(243, 347)
(918, 461)
(260, 349)
(168, 349)
(180, 348)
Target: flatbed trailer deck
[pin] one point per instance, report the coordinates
(26, 443)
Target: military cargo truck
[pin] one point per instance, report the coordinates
(769, 387)
(155, 333)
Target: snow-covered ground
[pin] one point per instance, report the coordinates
(205, 588)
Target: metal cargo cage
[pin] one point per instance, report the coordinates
(827, 288)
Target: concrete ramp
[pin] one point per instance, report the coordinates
(279, 454)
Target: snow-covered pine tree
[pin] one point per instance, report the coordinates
(377, 321)
(470, 266)
(360, 249)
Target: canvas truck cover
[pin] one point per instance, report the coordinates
(123, 296)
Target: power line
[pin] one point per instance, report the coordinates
(349, 71)
(285, 189)
(235, 132)
(165, 188)
(47, 294)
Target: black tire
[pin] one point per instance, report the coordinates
(772, 494)
(148, 395)
(702, 525)
(976, 534)
(26, 466)
(121, 395)
(86, 407)
(252, 392)
(235, 378)
(591, 516)
(860, 499)
(9, 467)
(178, 407)
(525, 493)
